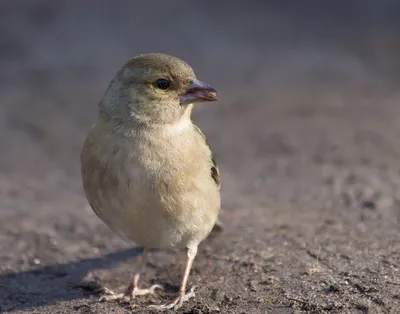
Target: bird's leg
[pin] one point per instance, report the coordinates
(183, 296)
(133, 290)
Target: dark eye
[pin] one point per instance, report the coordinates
(162, 84)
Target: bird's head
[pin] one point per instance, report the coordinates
(155, 89)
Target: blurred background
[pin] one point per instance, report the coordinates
(308, 116)
(266, 58)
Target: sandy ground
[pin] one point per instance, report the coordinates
(306, 134)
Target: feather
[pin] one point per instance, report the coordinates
(214, 168)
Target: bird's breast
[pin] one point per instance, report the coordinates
(154, 189)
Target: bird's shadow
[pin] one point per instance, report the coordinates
(53, 283)
(50, 284)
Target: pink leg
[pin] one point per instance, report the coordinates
(183, 296)
(133, 290)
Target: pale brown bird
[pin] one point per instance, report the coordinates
(148, 171)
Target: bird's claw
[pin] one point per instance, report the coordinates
(112, 296)
(150, 290)
(177, 303)
(109, 295)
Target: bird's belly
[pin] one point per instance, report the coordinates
(153, 216)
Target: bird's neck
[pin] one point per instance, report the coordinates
(136, 122)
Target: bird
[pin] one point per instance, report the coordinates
(148, 171)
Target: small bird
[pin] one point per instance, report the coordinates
(148, 171)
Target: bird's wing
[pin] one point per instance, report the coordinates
(214, 168)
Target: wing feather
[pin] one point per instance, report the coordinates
(214, 168)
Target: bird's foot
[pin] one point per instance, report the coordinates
(177, 303)
(129, 294)
(148, 291)
(109, 295)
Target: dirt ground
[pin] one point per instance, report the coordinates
(306, 135)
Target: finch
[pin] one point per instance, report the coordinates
(147, 169)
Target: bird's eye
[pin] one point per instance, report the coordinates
(162, 84)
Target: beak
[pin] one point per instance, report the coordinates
(198, 91)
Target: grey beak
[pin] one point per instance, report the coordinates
(198, 91)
